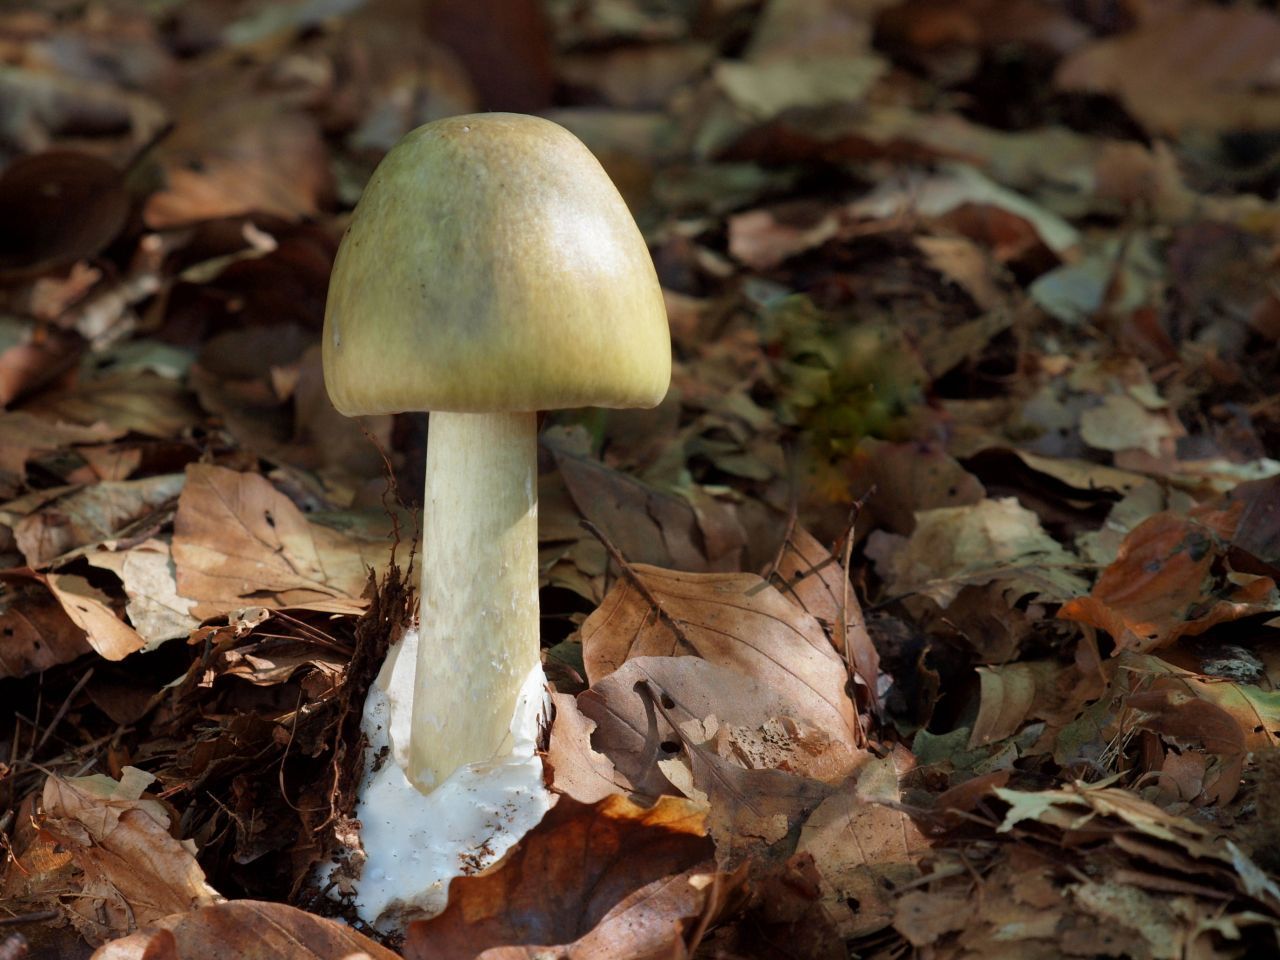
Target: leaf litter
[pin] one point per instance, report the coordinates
(933, 613)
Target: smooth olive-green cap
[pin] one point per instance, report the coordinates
(492, 266)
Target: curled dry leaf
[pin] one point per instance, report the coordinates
(577, 770)
(1165, 584)
(247, 930)
(94, 612)
(991, 540)
(815, 580)
(734, 620)
(90, 515)
(601, 882)
(239, 542)
(751, 721)
(57, 207)
(35, 631)
(128, 870)
(1011, 694)
(154, 608)
(864, 848)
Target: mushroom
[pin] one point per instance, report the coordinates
(490, 270)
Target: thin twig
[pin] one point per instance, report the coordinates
(37, 917)
(62, 712)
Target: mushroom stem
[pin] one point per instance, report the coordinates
(479, 589)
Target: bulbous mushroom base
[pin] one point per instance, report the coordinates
(416, 841)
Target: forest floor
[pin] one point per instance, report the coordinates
(933, 613)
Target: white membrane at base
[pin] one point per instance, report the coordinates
(415, 842)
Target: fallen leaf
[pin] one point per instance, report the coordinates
(247, 929)
(863, 848)
(646, 525)
(577, 770)
(1162, 585)
(1197, 68)
(89, 516)
(754, 722)
(989, 541)
(24, 435)
(1187, 723)
(754, 814)
(763, 88)
(815, 579)
(1010, 695)
(35, 631)
(132, 871)
(594, 882)
(244, 156)
(149, 577)
(960, 189)
(1122, 423)
(94, 612)
(239, 542)
(907, 477)
(135, 402)
(733, 620)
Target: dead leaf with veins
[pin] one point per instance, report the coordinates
(240, 542)
(591, 882)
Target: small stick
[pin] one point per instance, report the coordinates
(62, 712)
(37, 917)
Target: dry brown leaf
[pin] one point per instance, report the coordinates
(1197, 730)
(764, 238)
(90, 515)
(93, 612)
(646, 525)
(754, 814)
(24, 435)
(965, 264)
(245, 156)
(864, 848)
(750, 721)
(1163, 586)
(239, 542)
(35, 631)
(135, 402)
(1199, 67)
(907, 477)
(577, 770)
(815, 580)
(599, 882)
(246, 930)
(132, 871)
(1007, 223)
(991, 540)
(733, 620)
(1010, 695)
(149, 577)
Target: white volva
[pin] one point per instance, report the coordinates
(417, 842)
